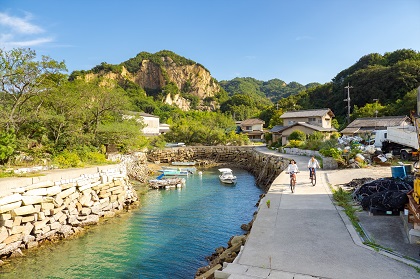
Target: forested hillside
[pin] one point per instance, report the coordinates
(386, 83)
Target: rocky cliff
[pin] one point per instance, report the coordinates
(159, 71)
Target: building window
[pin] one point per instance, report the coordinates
(248, 128)
(312, 119)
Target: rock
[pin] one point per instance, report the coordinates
(16, 253)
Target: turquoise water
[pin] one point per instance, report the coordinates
(169, 236)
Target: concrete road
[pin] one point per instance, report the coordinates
(304, 235)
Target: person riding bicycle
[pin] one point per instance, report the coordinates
(292, 168)
(312, 164)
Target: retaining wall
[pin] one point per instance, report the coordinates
(33, 212)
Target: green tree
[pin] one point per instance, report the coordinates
(369, 110)
(22, 77)
(7, 145)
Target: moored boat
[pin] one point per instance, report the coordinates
(227, 176)
(174, 172)
(183, 163)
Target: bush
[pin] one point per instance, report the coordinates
(297, 135)
(67, 159)
(295, 143)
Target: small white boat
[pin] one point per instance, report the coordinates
(183, 163)
(227, 176)
(175, 172)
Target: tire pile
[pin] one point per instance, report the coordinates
(385, 194)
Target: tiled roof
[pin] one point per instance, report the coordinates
(307, 113)
(252, 121)
(277, 128)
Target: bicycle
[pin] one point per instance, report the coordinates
(292, 181)
(313, 176)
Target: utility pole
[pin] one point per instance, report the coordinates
(348, 102)
(376, 111)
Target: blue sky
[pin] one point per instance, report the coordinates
(295, 40)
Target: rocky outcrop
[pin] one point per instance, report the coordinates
(191, 79)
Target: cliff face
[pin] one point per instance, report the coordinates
(193, 79)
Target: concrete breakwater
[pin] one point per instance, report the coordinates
(264, 167)
(31, 213)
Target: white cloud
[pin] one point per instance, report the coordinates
(20, 25)
(20, 32)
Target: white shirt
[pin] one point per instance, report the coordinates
(293, 168)
(313, 164)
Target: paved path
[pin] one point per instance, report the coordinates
(303, 235)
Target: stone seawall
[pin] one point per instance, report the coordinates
(264, 167)
(51, 209)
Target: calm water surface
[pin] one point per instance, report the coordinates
(169, 236)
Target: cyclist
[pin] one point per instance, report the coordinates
(292, 168)
(312, 164)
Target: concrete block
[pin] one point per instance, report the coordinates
(85, 211)
(41, 216)
(10, 199)
(54, 190)
(47, 206)
(62, 219)
(74, 196)
(46, 229)
(55, 226)
(112, 189)
(56, 210)
(28, 228)
(67, 185)
(5, 216)
(414, 236)
(85, 200)
(58, 215)
(17, 230)
(36, 192)
(30, 218)
(113, 198)
(42, 184)
(104, 194)
(23, 210)
(17, 220)
(41, 224)
(67, 192)
(13, 238)
(27, 200)
(58, 201)
(6, 223)
(10, 206)
(4, 233)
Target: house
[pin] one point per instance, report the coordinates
(253, 128)
(364, 126)
(317, 117)
(151, 122)
(307, 121)
(307, 128)
(276, 132)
